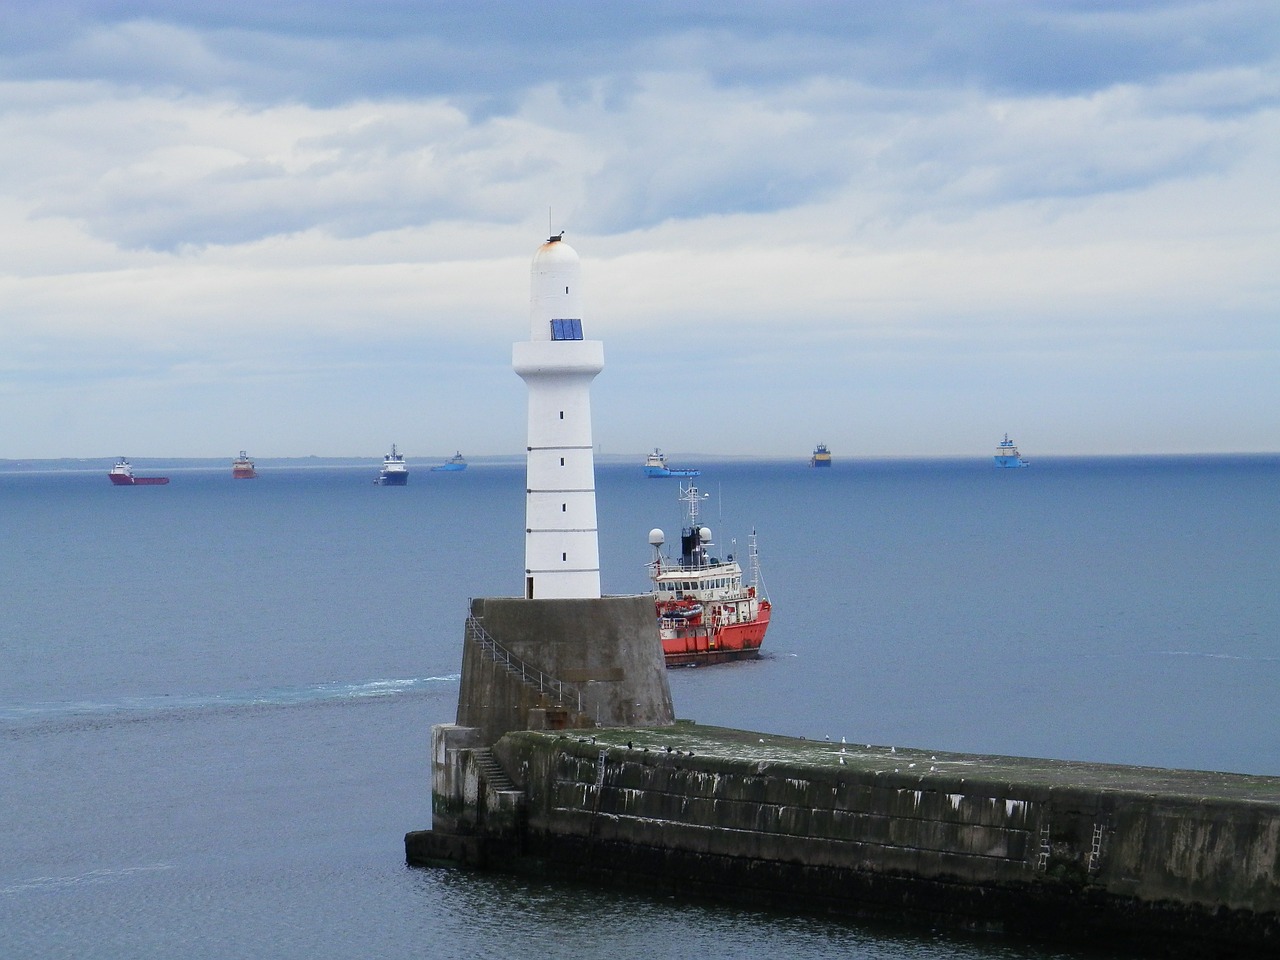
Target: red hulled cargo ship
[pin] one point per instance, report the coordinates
(705, 613)
(122, 476)
(242, 467)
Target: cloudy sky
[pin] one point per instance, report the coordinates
(903, 229)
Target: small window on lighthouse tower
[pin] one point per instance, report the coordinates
(561, 414)
(564, 556)
(562, 461)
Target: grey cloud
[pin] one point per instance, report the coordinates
(327, 51)
(636, 113)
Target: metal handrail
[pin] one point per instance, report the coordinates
(563, 692)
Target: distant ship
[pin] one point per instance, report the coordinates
(1007, 454)
(821, 456)
(705, 614)
(242, 468)
(395, 472)
(452, 465)
(655, 465)
(122, 476)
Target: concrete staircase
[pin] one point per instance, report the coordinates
(555, 693)
(492, 771)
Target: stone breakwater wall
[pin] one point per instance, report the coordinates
(1182, 860)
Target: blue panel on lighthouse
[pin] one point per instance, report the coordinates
(566, 329)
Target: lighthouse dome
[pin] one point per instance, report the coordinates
(555, 252)
(554, 287)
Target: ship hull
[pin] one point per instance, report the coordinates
(1008, 462)
(449, 468)
(122, 481)
(696, 645)
(393, 480)
(243, 473)
(655, 472)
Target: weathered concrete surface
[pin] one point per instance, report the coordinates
(606, 649)
(1187, 861)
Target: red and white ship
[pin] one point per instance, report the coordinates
(122, 476)
(242, 467)
(705, 613)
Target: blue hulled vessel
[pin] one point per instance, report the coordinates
(452, 465)
(1007, 454)
(655, 465)
(395, 472)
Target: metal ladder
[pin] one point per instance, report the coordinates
(1046, 846)
(1095, 851)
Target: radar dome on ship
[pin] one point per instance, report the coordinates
(656, 537)
(704, 534)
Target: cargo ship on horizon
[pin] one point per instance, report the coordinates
(454, 464)
(705, 613)
(655, 465)
(395, 472)
(122, 476)
(242, 467)
(1007, 454)
(821, 456)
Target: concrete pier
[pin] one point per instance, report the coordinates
(1183, 862)
(566, 761)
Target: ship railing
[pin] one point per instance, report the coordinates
(565, 693)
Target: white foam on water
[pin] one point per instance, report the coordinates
(277, 696)
(103, 875)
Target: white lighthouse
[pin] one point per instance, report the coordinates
(561, 549)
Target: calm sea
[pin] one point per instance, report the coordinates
(216, 696)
